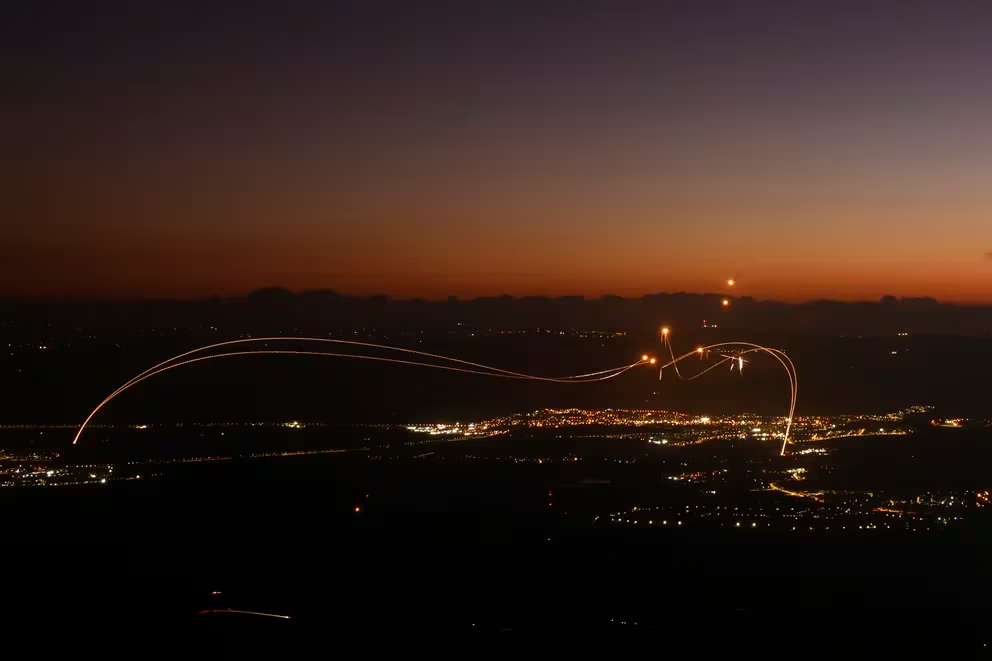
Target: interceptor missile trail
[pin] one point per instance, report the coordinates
(475, 368)
(484, 370)
(778, 354)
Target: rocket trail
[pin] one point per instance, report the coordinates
(747, 347)
(484, 370)
(469, 366)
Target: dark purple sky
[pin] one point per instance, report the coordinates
(809, 149)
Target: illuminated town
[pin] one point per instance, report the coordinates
(688, 428)
(741, 483)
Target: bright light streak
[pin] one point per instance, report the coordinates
(386, 347)
(229, 610)
(484, 370)
(777, 354)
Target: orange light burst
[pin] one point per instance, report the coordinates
(644, 357)
(725, 302)
(731, 283)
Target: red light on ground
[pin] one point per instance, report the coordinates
(366, 495)
(549, 504)
(215, 592)
(358, 509)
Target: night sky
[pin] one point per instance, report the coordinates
(808, 149)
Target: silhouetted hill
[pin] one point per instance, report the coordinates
(279, 308)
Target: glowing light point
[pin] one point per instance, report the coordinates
(730, 282)
(664, 331)
(725, 302)
(653, 361)
(644, 357)
(699, 350)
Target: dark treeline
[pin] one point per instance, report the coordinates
(276, 308)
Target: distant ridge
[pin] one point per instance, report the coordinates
(276, 307)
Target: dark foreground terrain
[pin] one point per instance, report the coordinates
(449, 553)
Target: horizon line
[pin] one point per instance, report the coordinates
(123, 300)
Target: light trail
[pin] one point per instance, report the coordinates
(477, 368)
(237, 612)
(778, 354)
(333, 341)
(815, 495)
(711, 367)
(371, 345)
(591, 377)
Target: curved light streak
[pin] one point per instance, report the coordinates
(237, 612)
(355, 343)
(602, 375)
(482, 370)
(778, 354)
